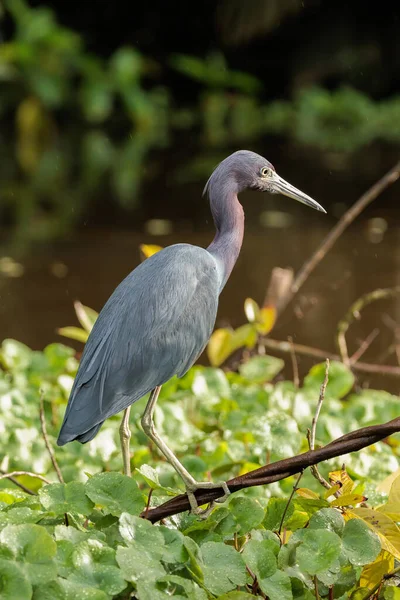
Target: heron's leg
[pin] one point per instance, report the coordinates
(190, 483)
(125, 436)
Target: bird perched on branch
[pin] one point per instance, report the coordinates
(159, 319)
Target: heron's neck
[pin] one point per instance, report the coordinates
(228, 217)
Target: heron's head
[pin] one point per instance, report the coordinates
(248, 170)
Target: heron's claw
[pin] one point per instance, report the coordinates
(208, 485)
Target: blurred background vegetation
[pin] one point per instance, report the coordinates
(113, 115)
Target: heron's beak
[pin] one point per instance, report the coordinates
(283, 187)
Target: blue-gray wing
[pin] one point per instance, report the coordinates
(155, 325)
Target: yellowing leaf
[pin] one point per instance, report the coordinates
(383, 525)
(374, 573)
(251, 310)
(391, 510)
(306, 493)
(394, 494)
(266, 319)
(74, 333)
(343, 479)
(348, 499)
(86, 316)
(386, 484)
(148, 250)
(219, 347)
(332, 490)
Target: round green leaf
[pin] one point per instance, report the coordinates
(13, 582)
(63, 498)
(260, 557)
(115, 493)
(261, 368)
(319, 550)
(327, 518)
(137, 564)
(360, 544)
(341, 379)
(247, 513)
(223, 567)
(34, 548)
(277, 587)
(142, 534)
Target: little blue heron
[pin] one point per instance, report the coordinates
(159, 319)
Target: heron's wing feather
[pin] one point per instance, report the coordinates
(155, 325)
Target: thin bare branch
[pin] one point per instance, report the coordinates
(364, 346)
(284, 347)
(19, 473)
(311, 433)
(19, 484)
(354, 313)
(46, 441)
(332, 237)
(295, 487)
(351, 442)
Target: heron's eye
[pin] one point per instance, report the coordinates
(266, 172)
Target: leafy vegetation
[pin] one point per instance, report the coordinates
(85, 537)
(118, 110)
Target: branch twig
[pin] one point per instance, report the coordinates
(28, 473)
(295, 487)
(378, 585)
(285, 348)
(364, 346)
(346, 220)
(19, 484)
(354, 313)
(351, 442)
(311, 434)
(46, 441)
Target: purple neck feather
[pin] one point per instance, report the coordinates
(228, 218)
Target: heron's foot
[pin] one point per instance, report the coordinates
(192, 487)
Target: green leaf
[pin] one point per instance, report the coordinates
(13, 582)
(318, 551)
(142, 534)
(69, 497)
(74, 333)
(94, 565)
(260, 557)
(223, 567)
(137, 564)
(260, 369)
(115, 493)
(32, 546)
(341, 379)
(275, 510)
(361, 545)
(52, 590)
(327, 518)
(237, 596)
(14, 355)
(392, 593)
(247, 513)
(74, 590)
(277, 587)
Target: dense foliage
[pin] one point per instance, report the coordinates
(85, 538)
(76, 121)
